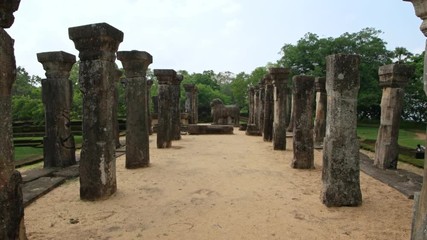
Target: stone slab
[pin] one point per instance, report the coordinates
(28, 161)
(39, 187)
(404, 181)
(68, 172)
(210, 129)
(34, 174)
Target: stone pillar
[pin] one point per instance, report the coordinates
(393, 78)
(280, 78)
(155, 100)
(195, 104)
(257, 100)
(320, 117)
(11, 204)
(288, 106)
(303, 122)
(268, 109)
(290, 127)
(57, 95)
(150, 119)
(164, 129)
(175, 89)
(190, 102)
(261, 105)
(251, 105)
(97, 45)
(340, 174)
(135, 64)
(116, 126)
(419, 221)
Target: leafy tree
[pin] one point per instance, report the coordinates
(401, 54)
(415, 100)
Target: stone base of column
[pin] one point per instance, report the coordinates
(253, 130)
(12, 209)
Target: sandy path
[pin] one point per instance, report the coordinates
(219, 187)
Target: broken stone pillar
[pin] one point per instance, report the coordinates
(268, 109)
(190, 102)
(150, 119)
(290, 127)
(393, 78)
(135, 64)
(11, 203)
(116, 126)
(303, 122)
(320, 117)
(340, 174)
(175, 89)
(419, 221)
(280, 78)
(57, 95)
(97, 45)
(251, 105)
(164, 129)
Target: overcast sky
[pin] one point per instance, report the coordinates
(219, 35)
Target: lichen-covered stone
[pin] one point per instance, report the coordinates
(175, 108)
(135, 64)
(57, 94)
(320, 116)
(268, 109)
(341, 171)
(303, 122)
(97, 45)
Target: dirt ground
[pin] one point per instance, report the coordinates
(219, 187)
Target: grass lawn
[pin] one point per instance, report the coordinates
(408, 140)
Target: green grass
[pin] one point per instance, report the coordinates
(408, 141)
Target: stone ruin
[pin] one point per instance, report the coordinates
(267, 131)
(393, 78)
(341, 171)
(320, 116)
(303, 122)
(191, 103)
(97, 45)
(11, 201)
(135, 64)
(57, 95)
(280, 79)
(175, 89)
(224, 114)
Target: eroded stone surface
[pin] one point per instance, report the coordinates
(341, 171)
(303, 122)
(191, 103)
(268, 109)
(97, 45)
(135, 64)
(320, 117)
(57, 95)
(175, 108)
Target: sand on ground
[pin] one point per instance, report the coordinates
(219, 187)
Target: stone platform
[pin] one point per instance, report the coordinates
(196, 129)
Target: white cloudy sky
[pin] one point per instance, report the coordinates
(219, 35)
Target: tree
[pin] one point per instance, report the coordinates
(401, 54)
(415, 100)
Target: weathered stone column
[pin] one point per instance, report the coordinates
(11, 204)
(150, 119)
(116, 126)
(164, 129)
(419, 221)
(97, 44)
(280, 79)
(190, 102)
(268, 109)
(257, 101)
(155, 100)
(340, 174)
(393, 78)
(195, 104)
(251, 105)
(135, 64)
(290, 127)
(288, 106)
(57, 95)
(303, 122)
(175, 89)
(261, 105)
(320, 117)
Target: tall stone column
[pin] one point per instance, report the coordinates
(195, 104)
(291, 109)
(393, 78)
(257, 100)
(175, 89)
(11, 204)
(320, 117)
(150, 119)
(164, 129)
(288, 106)
(190, 102)
(280, 79)
(57, 95)
(97, 45)
(303, 122)
(155, 100)
(419, 221)
(340, 174)
(251, 105)
(135, 64)
(116, 126)
(261, 105)
(268, 109)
